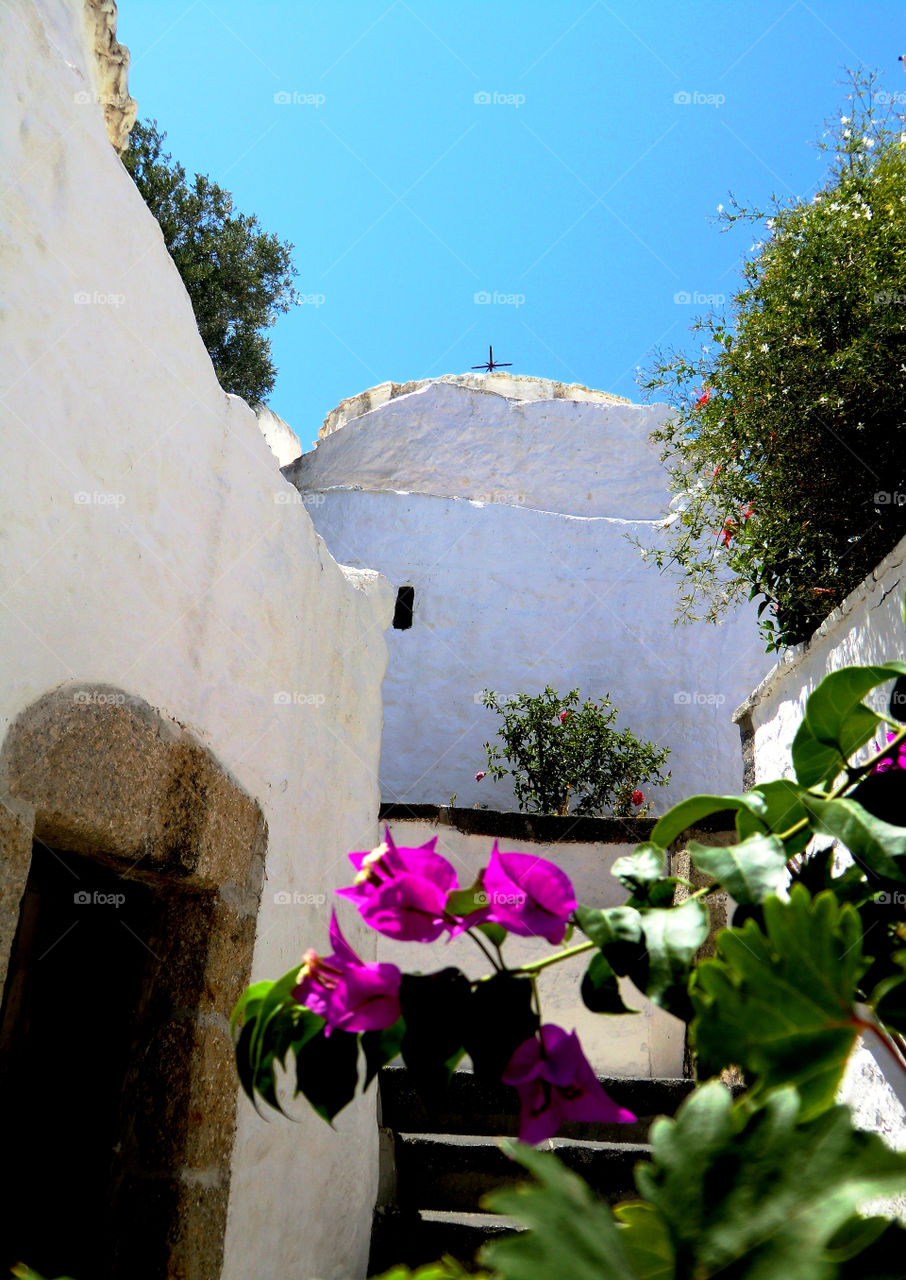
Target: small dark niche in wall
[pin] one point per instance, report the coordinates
(402, 614)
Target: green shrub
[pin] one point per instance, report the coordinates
(563, 756)
(786, 448)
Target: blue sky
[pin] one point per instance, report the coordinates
(565, 160)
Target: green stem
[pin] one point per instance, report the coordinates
(537, 965)
(475, 938)
(889, 1044)
(852, 775)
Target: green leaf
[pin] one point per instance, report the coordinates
(672, 937)
(836, 723)
(465, 902)
(495, 932)
(273, 1024)
(435, 1009)
(874, 844)
(247, 1004)
(774, 807)
(644, 874)
(762, 1195)
(889, 1002)
(381, 1047)
(601, 990)
(272, 1009)
(750, 871)
(499, 1018)
(571, 1233)
(604, 925)
(780, 1004)
(645, 866)
(618, 932)
(327, 1071)
(645, 1237)
(687, 813)
(881, 1260)
(446, 1269)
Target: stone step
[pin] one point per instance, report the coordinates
(415, 1238)
(454, 1171)
(478, 1107)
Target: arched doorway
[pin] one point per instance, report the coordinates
(127, 921)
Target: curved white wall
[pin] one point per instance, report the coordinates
(512, 522)
(151, 543)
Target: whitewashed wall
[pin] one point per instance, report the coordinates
(647, 1044)
(151, 543)
(867, 628)
(512, 519)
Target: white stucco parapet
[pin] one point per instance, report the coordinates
(444, 438)
(515, 386)
(151, 546)
(866, 628)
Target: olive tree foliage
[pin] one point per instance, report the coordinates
(786, 447)
(238, 277)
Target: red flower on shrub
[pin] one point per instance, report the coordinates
(703, 399)
(638, 798)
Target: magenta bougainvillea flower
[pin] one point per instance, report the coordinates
(897, 761)
(529, 896)
(556, 1083)
(638, 797)
(351, 995)
(564, 716)
(479, 776)
(401, 892)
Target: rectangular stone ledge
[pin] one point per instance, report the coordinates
(542, 828)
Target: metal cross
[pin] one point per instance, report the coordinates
(491, 364)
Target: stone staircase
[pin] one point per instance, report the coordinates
(436, 1166)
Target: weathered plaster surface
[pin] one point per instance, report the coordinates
(110, 71)
(514, 386)
(282, 440)
(513, 598)
(149, 546)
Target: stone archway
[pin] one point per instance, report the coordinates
(100, 783)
